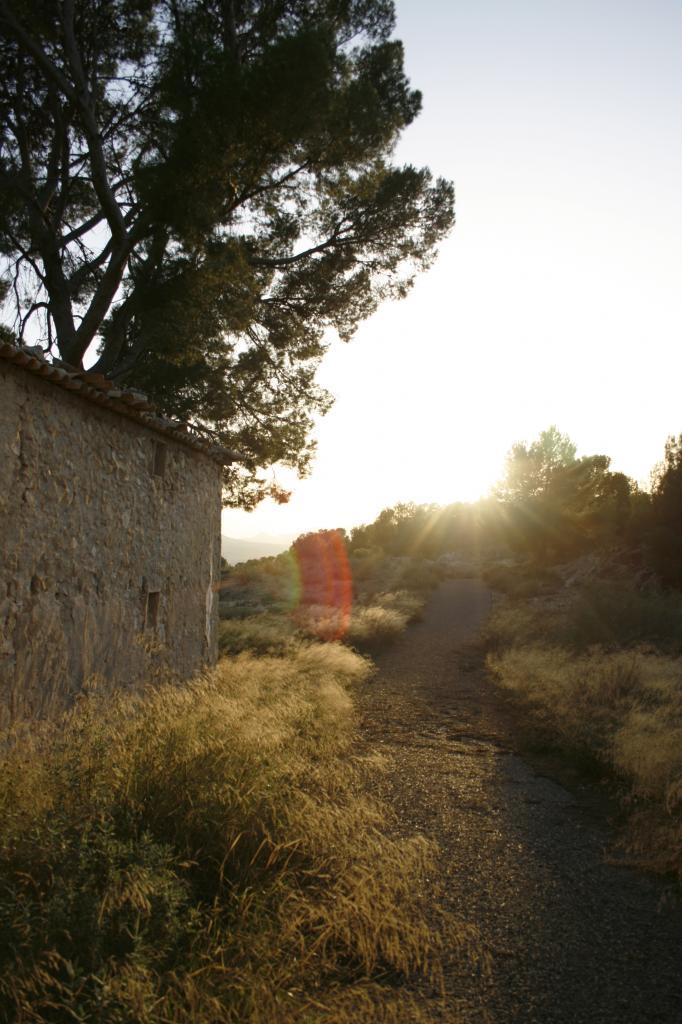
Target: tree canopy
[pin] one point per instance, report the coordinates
(557, 505)
(664, 523)
(529, 468)
(199, 190)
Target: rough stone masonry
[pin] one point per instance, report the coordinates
(110, 547)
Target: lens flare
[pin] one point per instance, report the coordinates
(324, 582)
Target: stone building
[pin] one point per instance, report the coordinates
(110, 527)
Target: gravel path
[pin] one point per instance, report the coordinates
(572, 939)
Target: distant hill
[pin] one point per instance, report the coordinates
(235, 550)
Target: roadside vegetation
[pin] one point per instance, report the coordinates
(587, 630)
(586, 634)
(210, 853)
(322, 589)
(591, 649)
(365, 626)
(599, 675)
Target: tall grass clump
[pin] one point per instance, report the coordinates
(205, 853)
(600, 678)
(383, 617)
(360, 627)
(370, 623)
(267, 633)
(603, 614)
(576, 701)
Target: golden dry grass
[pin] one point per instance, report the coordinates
(363, 625)
(376, 621)
(209, 853)
(266, 633)
(622, 709)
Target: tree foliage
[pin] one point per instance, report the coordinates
(428, 531)
(665, 519)
(201, 190)
(557, 505)
(529, 468)
(551, 507)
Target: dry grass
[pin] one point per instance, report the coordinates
(359, 627)
(579, 700)
(268, 633)
(377, 621)
(597, 667)
(266, 606)
(514, 624)
(611, 615)
(408, 603)
(519, 580)
(206, 853)
(622, 710)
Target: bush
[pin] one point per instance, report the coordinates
(578, 701)
(381, 618)
(621, 710)
(624, 616)
(410, 605)
(260, 634)
(522, 580)
(598, 673)
(421, 576)
(362, 625)
(516, 624)
(375, 624)
(603, 614)
(205, 854)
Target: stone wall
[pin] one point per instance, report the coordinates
(110, 549)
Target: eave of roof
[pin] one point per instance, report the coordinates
(94, 387)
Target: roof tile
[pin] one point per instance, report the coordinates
(129, 403)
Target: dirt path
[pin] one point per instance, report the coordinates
(572, 938)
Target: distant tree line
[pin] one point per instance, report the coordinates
(551, 506)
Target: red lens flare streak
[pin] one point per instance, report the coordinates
(325, 580)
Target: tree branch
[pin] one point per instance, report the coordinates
(86, 107)
(54, 160)
(25, 319)
(285, 261)
(26, 257)
(260, 190)
(82, 229)
(89, 266)
(35, 49)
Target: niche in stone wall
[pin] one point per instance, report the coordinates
(151, 618)
(160, 458)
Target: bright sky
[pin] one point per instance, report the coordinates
(556, 299)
